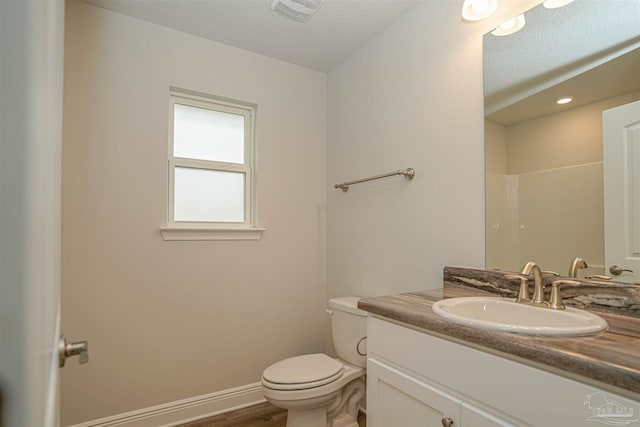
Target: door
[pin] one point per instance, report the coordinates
(621, 150)
(31, 58)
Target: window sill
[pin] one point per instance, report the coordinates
(195, 233)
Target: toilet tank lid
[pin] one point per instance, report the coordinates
(348, 304)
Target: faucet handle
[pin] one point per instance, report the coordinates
(550, 273)
(555, 302)
(523, 293)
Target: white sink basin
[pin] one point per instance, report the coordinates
(504, 314)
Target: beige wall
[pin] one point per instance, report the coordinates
(495, 148)
(171, 320)
(410, 97)
(555, 174)
(567, 138)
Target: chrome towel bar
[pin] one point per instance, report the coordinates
(408, 173)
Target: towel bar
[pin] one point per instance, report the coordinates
(408, 173)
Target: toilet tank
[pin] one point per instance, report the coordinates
(349, 330)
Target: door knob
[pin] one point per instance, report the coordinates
(447, 422)
(617, 270)
(68, 349)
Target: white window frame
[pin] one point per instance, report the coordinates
(190, 230)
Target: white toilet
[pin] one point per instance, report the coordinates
(317, 390)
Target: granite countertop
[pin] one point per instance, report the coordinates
(609, 360)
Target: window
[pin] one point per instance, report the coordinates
(211, 154)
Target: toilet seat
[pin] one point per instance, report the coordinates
(282, 397)
(302, 372)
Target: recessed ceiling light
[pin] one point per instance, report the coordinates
(553, 4)
(475, 10)
(564, 100)
(511, 26)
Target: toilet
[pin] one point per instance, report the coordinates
(318, 390)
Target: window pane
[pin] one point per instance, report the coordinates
(204, 134)
(202, 195)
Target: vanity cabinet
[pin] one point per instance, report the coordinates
(417, 379)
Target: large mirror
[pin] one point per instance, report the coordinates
(544, 161)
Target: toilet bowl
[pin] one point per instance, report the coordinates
(318, 390)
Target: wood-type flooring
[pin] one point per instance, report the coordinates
(262, 415)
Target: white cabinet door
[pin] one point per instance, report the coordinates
(395, 399)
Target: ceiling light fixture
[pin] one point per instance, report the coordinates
(296, 10)
(553, 4)
(509, 27)
(564, 100)
(475, 10)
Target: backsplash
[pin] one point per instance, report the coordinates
(602, 296)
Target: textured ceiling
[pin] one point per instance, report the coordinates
(616, 77)
(338, 29)
(557, 44)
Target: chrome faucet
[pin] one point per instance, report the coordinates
(538, 281)
(575, 265)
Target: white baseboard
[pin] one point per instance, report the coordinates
(186, 410)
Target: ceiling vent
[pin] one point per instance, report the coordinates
(296, 10)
